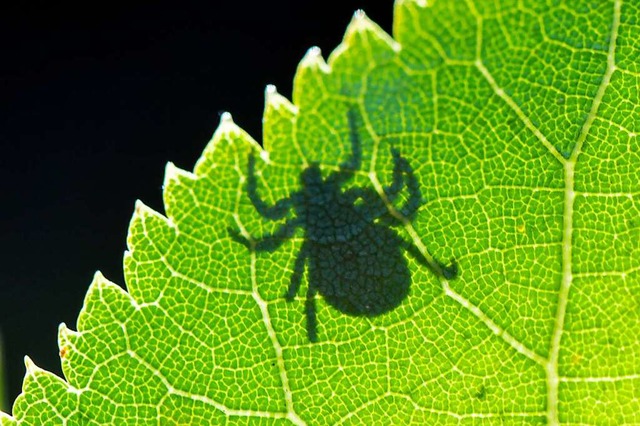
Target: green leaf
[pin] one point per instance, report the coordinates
(517, 123)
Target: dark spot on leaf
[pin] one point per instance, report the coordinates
(481, 393)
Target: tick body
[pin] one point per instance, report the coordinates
(354, 257)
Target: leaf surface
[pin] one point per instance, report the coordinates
(520, 123)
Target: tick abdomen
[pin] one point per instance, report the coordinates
(365, 276)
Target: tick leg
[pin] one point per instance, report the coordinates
(414, 202)
(238, 237)
(448, 272)
(298, 270)
(275, 212)
(271, 242)
(310, 303)
(310, 309)
(374, 205)
(354, 162)
(399, 167)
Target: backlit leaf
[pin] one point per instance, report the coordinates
(518, 121)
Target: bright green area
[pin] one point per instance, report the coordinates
(520, 121)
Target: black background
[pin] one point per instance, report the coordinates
(94, 101)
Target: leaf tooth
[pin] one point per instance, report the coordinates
(99, 280)
(141, 210)
(46, 378)
(32, 368)
(229, 131)
(277, 119)
(65, 334)
(313, 61)
(310, 75)
(103, 284)
(104, 299)
(362, 26)
(173, 177)
(363, 46)
(140, 213)
(66, 342)
(274, 100)
(171, 173)
(174, 174)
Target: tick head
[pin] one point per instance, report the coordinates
(311, 176)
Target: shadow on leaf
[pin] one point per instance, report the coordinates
(354, 257)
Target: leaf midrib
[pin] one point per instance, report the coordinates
(553, 377)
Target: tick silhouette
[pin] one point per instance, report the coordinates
(354, 257)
